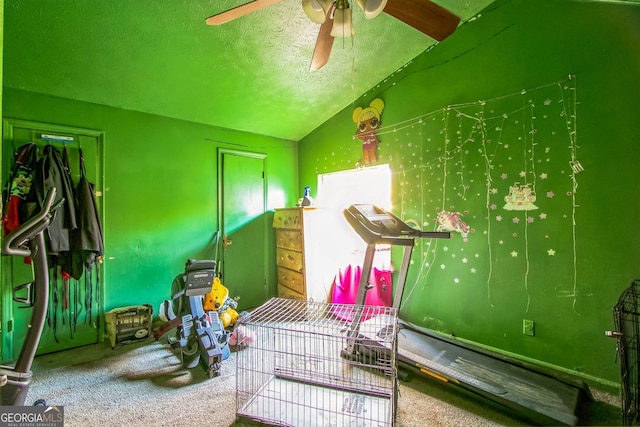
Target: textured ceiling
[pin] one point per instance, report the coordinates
(159, 57)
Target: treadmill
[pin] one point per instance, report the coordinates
(544, 398)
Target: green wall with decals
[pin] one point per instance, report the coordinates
(520, 138)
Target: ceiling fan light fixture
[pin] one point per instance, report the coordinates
(342, 23)
(372, 8)
(316, 10)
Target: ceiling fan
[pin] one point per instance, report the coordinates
(335, 19)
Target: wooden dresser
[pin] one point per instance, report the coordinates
(298, 254)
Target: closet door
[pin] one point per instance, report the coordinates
(75, 305)
(244, 226)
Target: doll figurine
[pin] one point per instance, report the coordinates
(367, 121)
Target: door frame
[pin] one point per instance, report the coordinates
(256, 155)
(6, 304)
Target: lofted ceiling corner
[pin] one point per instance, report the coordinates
(159, 57)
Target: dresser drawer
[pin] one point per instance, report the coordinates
(284, 292)
(289, 239)
(291, 279)
(289, 259)
(287, 218)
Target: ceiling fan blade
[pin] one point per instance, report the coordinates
(323, 45)
(239, 11)
(425, 16)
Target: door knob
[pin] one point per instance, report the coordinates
(226, 242)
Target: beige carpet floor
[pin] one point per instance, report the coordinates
(144, 384)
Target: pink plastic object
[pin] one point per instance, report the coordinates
(345, 290)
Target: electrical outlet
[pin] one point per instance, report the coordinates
(528, 327)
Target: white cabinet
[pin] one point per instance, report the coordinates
(301, 250)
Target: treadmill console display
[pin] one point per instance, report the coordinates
(379, 226)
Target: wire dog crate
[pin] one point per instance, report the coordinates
(316, 364)
(627, 332)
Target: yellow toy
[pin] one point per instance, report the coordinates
(218, 300)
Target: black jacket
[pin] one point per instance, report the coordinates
(54, 173)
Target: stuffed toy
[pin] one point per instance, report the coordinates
(241, 337)
(218, 300)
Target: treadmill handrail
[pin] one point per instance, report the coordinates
(13, 242)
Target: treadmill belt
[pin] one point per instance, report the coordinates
(534, 395)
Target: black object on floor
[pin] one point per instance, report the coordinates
(627, 318)
(543, 398)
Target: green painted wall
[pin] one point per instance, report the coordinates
(514, 99)
(161, 189)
